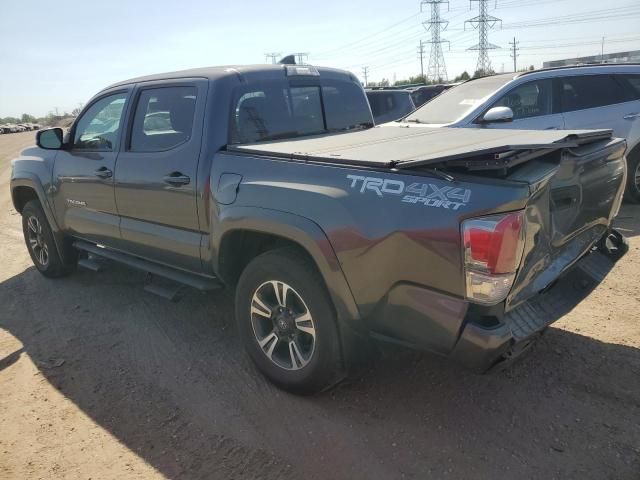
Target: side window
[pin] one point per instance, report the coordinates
(163, 118)
(532, 99)
(99, 127)
(589, 91)
(631, 84)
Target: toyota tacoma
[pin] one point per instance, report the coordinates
(273, 181)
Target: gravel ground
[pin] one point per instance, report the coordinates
(99, 379)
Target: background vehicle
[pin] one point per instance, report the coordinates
(582, 97)
(389, 105)
(425, 93)
(272, 180)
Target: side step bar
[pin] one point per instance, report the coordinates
(196, 281)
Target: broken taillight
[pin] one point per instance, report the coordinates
(493, 249)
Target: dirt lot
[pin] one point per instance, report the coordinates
(99, 379)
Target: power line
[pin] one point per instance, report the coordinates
(437, 71)
(483, 23)
(514, 53)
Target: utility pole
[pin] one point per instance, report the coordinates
(301, 57)
(483, 23)
(365, 73)
(602, 52)
(437, 71)
(421, 57)
(273, 56)
(514, 53)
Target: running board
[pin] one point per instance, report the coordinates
(196, 281)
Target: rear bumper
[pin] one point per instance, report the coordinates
(480, 339)
(482, 348)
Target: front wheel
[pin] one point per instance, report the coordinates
(40, 243)
(287, 322)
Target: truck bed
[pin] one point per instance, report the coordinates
(410, 146)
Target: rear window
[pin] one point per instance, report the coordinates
(275, 110)
(632, 85)
(589, 91)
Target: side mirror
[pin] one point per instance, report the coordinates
(50, 139)
(498, 115)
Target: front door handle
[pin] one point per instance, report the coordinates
(631, 116)
(552, 128)
(104, 172)
(177, 179)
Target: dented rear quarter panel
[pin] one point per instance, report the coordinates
(406, 230)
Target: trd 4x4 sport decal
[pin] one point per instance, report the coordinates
(426, 194)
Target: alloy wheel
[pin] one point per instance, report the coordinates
(282, 325)
(37, 242)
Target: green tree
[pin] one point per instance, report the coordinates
(463, 77)
(26, 118)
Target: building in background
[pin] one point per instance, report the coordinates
(620, 57)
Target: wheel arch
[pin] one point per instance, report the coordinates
(242, 233)
(27, 187)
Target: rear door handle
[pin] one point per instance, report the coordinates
(104, 172)
(177, 179)
(631, 116)
(552, 128)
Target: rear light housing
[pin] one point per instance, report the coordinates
(493, 249)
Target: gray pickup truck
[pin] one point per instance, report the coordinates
(272, 180)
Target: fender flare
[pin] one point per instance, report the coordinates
(300, 230)
(30, 180)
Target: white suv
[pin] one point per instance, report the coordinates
(571, 98)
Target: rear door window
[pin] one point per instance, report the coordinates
(163, 118)
(631, 84)
(532, 99)
(589, 91)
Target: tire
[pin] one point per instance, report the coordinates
(313, 363)
(632, 193)
(40, 243)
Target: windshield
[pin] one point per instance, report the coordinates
(276, 110)
(458, 101)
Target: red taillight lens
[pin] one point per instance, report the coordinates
(494, 244)
(493, 249)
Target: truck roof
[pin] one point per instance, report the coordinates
(409, 146)
(213, 73)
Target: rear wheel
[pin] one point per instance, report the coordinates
(287, 322)
(40, 243)
(633, 177)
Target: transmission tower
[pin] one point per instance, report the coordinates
(365, 74)
(437, 71)
(273, 56)
(301, 57)
(483, 23)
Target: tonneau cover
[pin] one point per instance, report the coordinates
(408, 145)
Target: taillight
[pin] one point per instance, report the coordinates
(492, 253)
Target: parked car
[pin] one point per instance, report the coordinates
(389, 105)
(272, 180)
(425, 93)
(580, 97)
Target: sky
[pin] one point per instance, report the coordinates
(57, 55)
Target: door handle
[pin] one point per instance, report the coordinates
(104, 172)
(631, 116)
(552, 128)
(177, 179)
